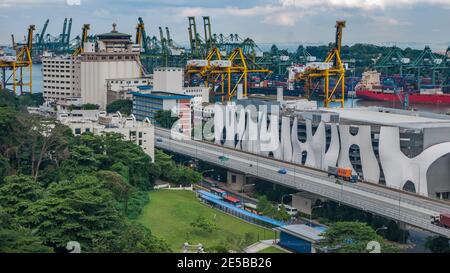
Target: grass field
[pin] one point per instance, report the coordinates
(272, 249)
(170, 213)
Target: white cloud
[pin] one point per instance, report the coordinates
(102, 14)
(10, 3)
(360, 4)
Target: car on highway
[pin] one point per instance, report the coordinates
(282, 171)
(223, 158)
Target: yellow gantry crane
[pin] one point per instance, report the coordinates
(17, 63)
(216, 69)
(80, 48)
(331, 67)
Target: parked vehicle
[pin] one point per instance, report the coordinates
(158, 139)
(290, 210)
(442, 219)
(343, 173)
(234, 201)
(251, 208)
(218, 192)
(282, 171)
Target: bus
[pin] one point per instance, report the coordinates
(218, 192)
(234, 201)
(251, 208)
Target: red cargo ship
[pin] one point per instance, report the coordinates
(369, 88)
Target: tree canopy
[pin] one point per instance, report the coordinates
(123, 106)
(352, 237)
(56, 188)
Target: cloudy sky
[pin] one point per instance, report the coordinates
(266, 21)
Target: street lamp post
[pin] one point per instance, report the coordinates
(380, 228)
(203, 174)
(310, 215)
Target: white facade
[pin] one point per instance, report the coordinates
(168, 79)
(251, 131)
(119, 89)
(113, 56)
(95, 68)
(171, 79)
(59, 78)
(97, 122)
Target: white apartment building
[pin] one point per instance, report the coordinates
(97, 122)
(59, 78)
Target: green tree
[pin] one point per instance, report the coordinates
(183, 176)
(282, 214)
(203, 224)
(117, 185)
(17, 193)
(123, 106)
(81, 210)
(165, 118)
(352, 237)
(133, 238)
(90, 106)
(265, 207)
(438, 244)
(16, 239)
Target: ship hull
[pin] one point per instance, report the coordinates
(413, 98)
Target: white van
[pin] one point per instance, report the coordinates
(290, 210)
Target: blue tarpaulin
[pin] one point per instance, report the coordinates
(238, 211)
(205, 193)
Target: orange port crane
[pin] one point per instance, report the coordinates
(17, 63)
(214, 70)
(80, 48)
(331, 67)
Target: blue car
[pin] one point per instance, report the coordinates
(158, 139)
(282, 171)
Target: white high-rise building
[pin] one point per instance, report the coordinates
(59, 78)
(113, 56)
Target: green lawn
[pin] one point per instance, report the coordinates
(170, 212)
(272, 249)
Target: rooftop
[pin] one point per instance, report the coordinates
(114, 34)
(311, 234)
(391, 117)
(161, 95)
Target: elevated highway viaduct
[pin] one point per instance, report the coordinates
(408, 208)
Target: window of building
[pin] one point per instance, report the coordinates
(77, 131)
(233, 178)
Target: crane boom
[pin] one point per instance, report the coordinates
(169, 40)
(63, 34)
(80, 48)
(69, 29)
(31, 28)
(42, 35)
(339, 26)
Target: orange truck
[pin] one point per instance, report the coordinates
(343, 173)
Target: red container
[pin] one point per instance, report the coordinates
(444, 219)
